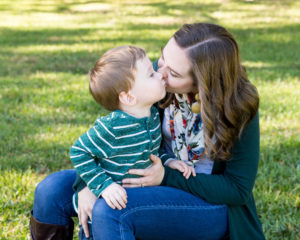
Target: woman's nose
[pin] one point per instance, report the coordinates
(163, 71)
(161, 67)
(159, 75)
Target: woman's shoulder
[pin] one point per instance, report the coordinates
(253, 125)
(248, 141)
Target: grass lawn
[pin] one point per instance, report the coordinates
(47, 48)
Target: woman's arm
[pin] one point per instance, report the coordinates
(233, 187)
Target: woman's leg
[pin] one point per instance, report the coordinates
(52, 208)
(160, 213)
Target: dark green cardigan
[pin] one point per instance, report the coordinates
(231, 183)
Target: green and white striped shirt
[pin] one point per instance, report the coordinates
(116, 143)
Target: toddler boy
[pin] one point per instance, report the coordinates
(123, 81)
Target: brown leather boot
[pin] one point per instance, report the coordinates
(45, 231)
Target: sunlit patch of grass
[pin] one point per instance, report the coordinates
(16, 189)
(92, 7)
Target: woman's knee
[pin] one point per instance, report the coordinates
(54, 187)
(108, 223)
(101, 210)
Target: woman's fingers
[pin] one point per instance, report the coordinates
(151, 176)
(140, 172)
(155, 159)
(135, 181)
(145, 172)
(130, 185)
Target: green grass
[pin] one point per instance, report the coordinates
(47, 48)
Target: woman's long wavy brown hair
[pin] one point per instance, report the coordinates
(228, 100)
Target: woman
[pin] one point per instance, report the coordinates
(202, 70)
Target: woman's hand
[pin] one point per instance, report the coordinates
(151, 176)
(86, 201)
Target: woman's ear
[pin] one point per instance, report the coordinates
(127, 99)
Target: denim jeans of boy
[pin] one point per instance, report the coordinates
(151, 212)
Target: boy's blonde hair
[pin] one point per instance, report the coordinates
(113, 73)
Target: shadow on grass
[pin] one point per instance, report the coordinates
(67, 60)
(256, 46)
(162, 8)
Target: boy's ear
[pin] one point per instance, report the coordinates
(127, 98)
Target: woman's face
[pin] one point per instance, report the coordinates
(175, 67)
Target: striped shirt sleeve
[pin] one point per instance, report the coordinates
(165, 156)
(86, 155)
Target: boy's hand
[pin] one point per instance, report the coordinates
(86, 201)
(115, 196)
(181, 166)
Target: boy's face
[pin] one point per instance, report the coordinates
(149, 87)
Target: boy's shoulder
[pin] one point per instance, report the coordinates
(118, 122)
(105, 125)
(114, 120)
(107, 121)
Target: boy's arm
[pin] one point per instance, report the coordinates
(83, 155)
(79, 184)
(164, 155)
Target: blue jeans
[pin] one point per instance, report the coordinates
(53, 200)
(151, 212)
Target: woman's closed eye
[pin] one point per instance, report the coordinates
(173, 75)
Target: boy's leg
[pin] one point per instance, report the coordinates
(160, 213)
(52, 208)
